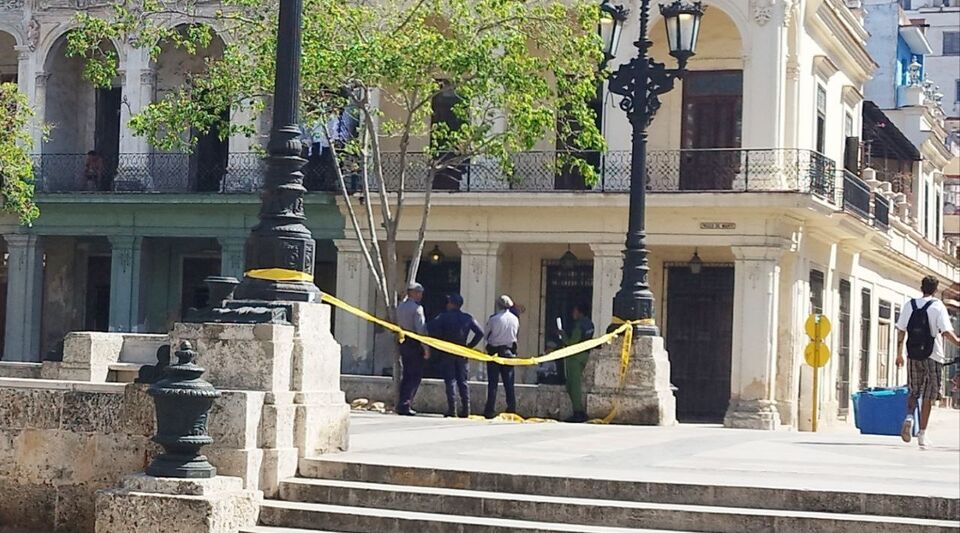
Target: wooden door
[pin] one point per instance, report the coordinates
(443, 112)
(107, 132)
(208, 162)
(569, 177)
(712, 108)
(699, 339)
(438, 281)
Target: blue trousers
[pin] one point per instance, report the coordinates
(455, 380)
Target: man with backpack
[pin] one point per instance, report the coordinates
(922, 325)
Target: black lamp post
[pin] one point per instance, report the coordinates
(640, 82)
(280, 249)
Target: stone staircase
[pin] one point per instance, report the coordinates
(342, 496)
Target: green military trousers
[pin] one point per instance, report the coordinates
(573, 367)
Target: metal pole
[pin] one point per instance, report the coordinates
(280, 249)
(634, 300)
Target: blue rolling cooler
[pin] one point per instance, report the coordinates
(880, 411)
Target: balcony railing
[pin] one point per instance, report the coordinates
(856, 195)
(160, 172)
(722, 170)
(881, 211)
(900, 182)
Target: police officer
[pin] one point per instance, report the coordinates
(453, 325)
(410, 317)
(573, 366)
(502, 329)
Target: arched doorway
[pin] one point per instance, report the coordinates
(206, 165)
(8, 58)
(83, 118)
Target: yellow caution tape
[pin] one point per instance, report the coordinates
(625, 328)
(278, 274)
(469, 353)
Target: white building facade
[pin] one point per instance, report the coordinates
(751, 169)
(747, 172)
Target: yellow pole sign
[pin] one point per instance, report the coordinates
(816, 353)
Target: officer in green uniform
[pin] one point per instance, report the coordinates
(573, 366)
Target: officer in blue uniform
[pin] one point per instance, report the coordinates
(453, 325)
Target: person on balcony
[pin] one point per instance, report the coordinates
(453, 325)
(573, 366)
(93, 171)
(501, 336)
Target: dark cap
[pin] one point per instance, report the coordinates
(455, 299)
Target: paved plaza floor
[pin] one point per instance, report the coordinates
(836, 460)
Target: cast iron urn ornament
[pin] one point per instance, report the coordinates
(183, 401)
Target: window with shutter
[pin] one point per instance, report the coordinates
(951, 43)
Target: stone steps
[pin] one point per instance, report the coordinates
(350, 496)
(776, 499)
(549, 511)
(372, 520)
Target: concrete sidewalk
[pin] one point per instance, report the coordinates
(841, 460)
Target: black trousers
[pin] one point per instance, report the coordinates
(411, 359)
(496, 372)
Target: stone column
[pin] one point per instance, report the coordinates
(24, 55)
(479, 264)
(125, 283)
(764, 72)
(355, 335)
(40, 105)
(754, 366)
(24, 298)
(231, 256)
(607, 271)
(139, 82)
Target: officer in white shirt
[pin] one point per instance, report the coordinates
(501, 337)
(924, 370)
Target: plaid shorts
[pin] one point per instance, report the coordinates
(924, 378)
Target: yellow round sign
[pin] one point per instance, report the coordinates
(817, 327)
(817, 354)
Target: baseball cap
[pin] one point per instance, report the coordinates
(415, 287)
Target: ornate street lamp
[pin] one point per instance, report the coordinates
(640, 82)
(280, 249)
(611, 26)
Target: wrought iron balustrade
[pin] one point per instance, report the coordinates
(719, 171)
(157, 172)
(900, 182)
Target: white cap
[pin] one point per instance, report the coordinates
(505, 302)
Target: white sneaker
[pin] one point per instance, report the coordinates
(906, 430)
(922, 440)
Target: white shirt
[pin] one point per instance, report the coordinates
(502, 329)
(938, 318)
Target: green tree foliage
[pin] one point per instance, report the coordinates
(16, 167)
(522, 70)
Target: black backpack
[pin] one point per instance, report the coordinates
(919, 340)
